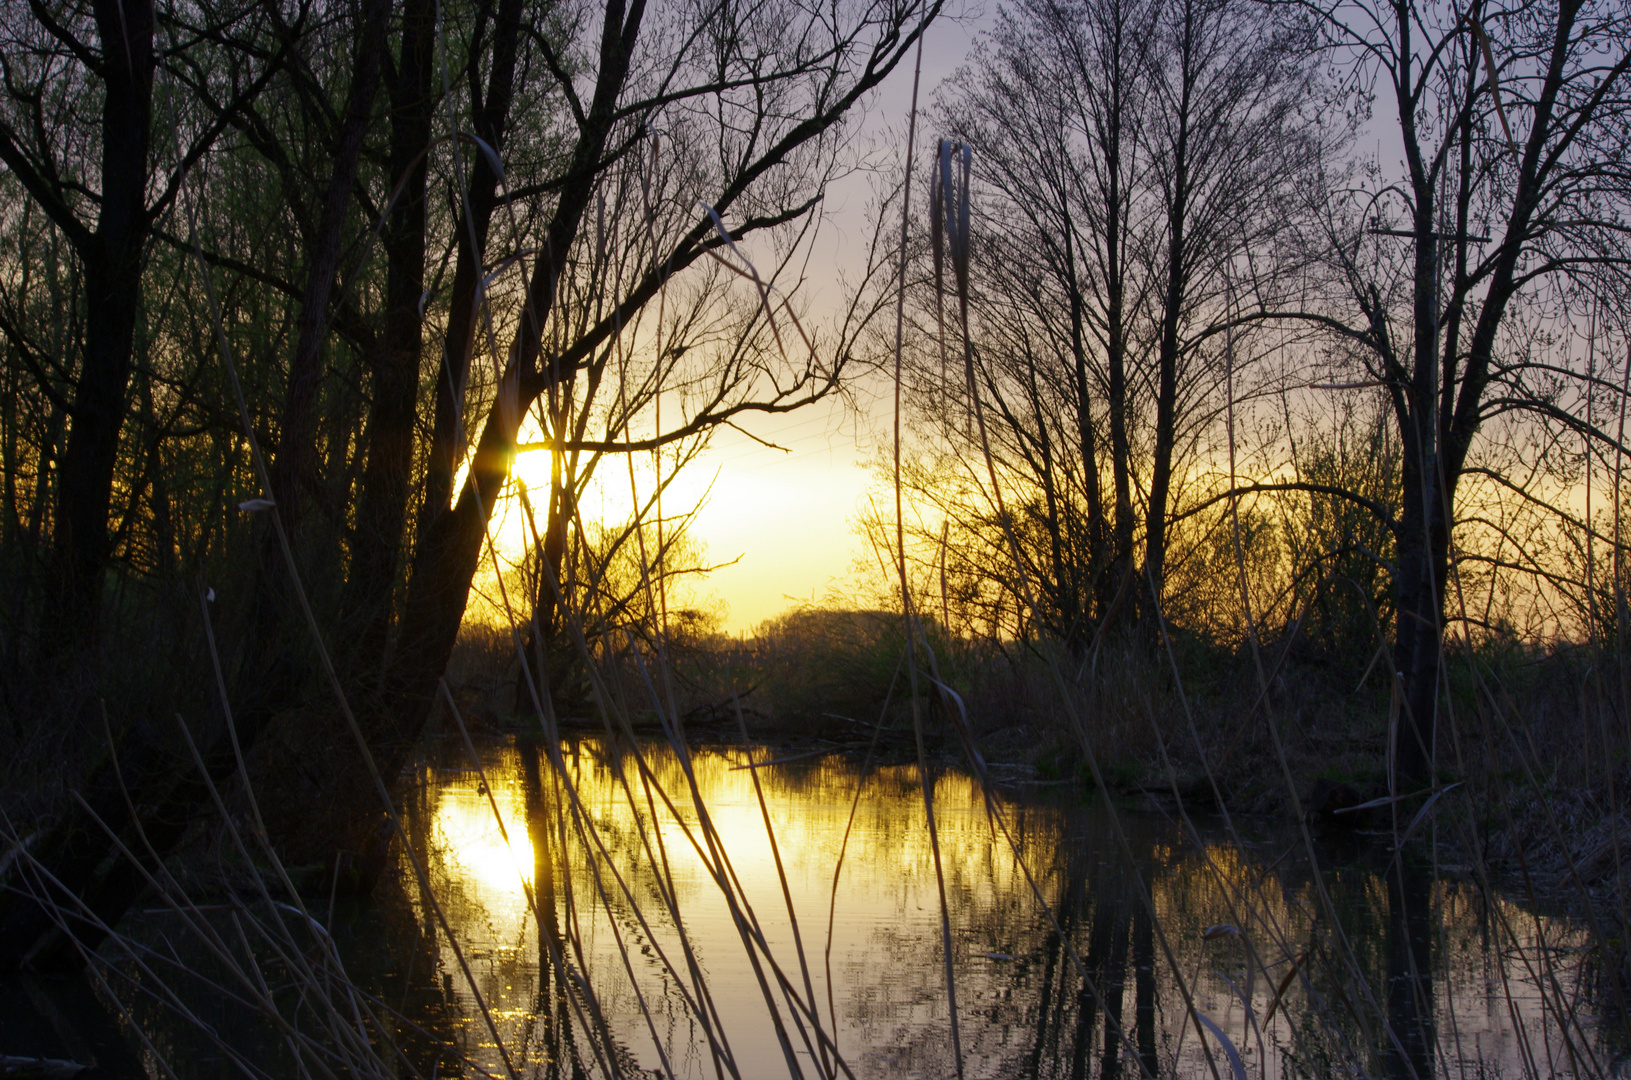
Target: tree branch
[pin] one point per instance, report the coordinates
(1381, 512)
(44, 192)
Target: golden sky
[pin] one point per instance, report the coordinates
(784, 517)
(787, 516)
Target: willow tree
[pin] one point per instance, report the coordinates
(414, 334)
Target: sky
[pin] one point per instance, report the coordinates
(780, 523)
(784, 520)
(790, 516)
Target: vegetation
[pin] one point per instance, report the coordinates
(1225, 461)
(387, 243)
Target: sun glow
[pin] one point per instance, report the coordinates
(466, 832)
(775, 522)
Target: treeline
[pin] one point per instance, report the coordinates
(285, 289)
(1290, 326)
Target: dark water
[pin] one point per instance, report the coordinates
(1365, 968)
(1467, 987)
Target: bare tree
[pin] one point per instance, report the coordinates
(592, 162)
(798, 89)
(1131, 149)
(1514, 127)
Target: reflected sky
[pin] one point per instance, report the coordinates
(1089, 992)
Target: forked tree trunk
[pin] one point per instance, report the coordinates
(1440, 408)
(450, 544)
(314, 766)
(277, 669)
(382, 504)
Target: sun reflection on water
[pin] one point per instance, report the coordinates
(472, 844)
(1023, 1013)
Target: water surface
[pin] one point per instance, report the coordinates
(1059, 969)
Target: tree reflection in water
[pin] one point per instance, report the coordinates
(1423, 960)
(1409, 1049)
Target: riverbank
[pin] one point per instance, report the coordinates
(1532, 778)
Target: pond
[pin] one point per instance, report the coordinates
(758, 912)
(682, 900)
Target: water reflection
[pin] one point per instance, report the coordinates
(1398, 973)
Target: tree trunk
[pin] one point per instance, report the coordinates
(490, 121)
(542, 664)
(295, 465)
(1423, 566)
(1117, 581)
(1437, 419)
(449, 547)
(319, 798)
(112, 260)
(276, 671)
(383, 501)
(1166, 390)
(1089, 445)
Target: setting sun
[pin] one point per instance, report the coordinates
(775, 521)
